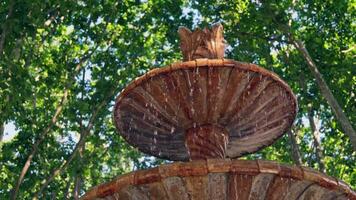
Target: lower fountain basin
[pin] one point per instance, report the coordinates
(223, 179)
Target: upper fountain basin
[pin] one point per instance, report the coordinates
(252, 104)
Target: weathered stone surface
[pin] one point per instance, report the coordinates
(197, 187)
(239, 186)
(260, 185)
(279, 188)
(206, 141)
(217, 186)
(268, 167)
(219, 165)
(297, 188)
(249, 167)
(136, 193)
(224, 179)
(175, 188)
(208, 108)
(155, 191)
(287, 171)
(312, 192)
(321, 179)
(147, 176)
(157, 110)
(206, 43)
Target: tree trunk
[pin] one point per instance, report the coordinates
(294, 148)
(66, 194)
(2, 129)
(64, 165)
(78, 178)
(316, 140)
(77, 185)
(4, 26)
(78, 146)
(324, 88)
(48, 128)
(326, 92)
(36, 145)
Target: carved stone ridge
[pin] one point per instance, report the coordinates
(206, 43)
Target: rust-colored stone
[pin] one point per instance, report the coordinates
(236, 179)
(344, 188)
(135, 193)
(253, 105)
(197, 187)
(196, 168)
(169, 170)
(147, 176)
(219, 165)
(206, 43)
(175, 188)
(155, 191)
(217, 186)
(204, 109)
(312, 192)
(239, 186)
(291, 172)
(268, 166)
(260, 186)
(319, 178)
(279, 188)
(249, 167)
(297, 188)
(122, 194)
(107, 189)
(91, 194)
(125, 180)
(207, 141)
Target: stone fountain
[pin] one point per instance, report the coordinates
(207, 111)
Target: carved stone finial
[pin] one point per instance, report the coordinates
(206, 43)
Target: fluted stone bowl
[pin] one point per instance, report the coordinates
(219, 179)
(253, 106)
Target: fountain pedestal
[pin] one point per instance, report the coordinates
(209, 111)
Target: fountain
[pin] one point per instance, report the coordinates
(208, 111)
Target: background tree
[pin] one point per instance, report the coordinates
(63, 62)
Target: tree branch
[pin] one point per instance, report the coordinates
(324, 88)
(4, 26)
(78, 146)
(2, 128)
(326, 92)
(294, 148)
(316, 140)
(54, 119)
(65, 196)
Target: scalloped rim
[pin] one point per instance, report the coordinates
(204, 167)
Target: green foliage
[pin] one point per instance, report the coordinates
(113, 42)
